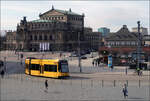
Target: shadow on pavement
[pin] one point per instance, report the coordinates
(78, 78)
(135, 98)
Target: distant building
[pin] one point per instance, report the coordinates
(124, 42)
(121, 42)
(2, 42)
(105, 31)
(55, 30)
(11, 40)
(93, 39)
(142, 30)
(146, 40)
(122, 38)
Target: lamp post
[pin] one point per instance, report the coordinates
(79, 53)
(138, 46)
(5, 64)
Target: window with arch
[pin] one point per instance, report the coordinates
(35, 37)
(31, 37)
(45, 37)
(40, 37)
(50, 37)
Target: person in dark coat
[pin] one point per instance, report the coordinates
(46, 86)
(2, 73)
(125, 91)
(93, 63)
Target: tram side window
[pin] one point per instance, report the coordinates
(50, 68)
(35, 66)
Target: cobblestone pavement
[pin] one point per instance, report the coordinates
(94, 83)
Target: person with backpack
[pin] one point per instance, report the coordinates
(125, 91)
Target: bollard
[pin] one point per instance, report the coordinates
(102, 83)
(91, 83)
(114, 83)
(127, 82)
(126, 71)
(70, 82)
(81, 83)
(139, 83)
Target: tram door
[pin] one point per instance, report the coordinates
(29, 66)
(41, 68)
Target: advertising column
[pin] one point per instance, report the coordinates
(109, 61)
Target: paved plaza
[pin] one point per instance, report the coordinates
(94, 83)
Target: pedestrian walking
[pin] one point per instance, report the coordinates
(93, 63)
(138, 71)
(112, 67)
(46, 86)
(21, 56)
(125, 91)
(98, 62)
(126, 71)
(2, 73)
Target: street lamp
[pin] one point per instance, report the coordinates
(139, 46)
(79, 57)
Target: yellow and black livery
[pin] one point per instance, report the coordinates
(54, 68)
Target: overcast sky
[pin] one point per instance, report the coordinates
(111, 14)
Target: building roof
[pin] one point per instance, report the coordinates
(122, 34)
(62, 11)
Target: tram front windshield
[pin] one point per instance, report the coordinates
(64, 68)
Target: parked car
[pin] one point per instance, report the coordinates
(73, 55)
(83, 57)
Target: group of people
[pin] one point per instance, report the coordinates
(96, 62)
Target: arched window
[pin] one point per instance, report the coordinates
(50, 37)
(45, 37)
(40, 37)
(31, 37)
(35, 37)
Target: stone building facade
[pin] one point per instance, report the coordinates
(55, 30)
(93, 39)
(143, 30)
(11, 41)
(123, 42)
(122, 38)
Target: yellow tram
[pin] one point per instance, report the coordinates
(54, 68)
